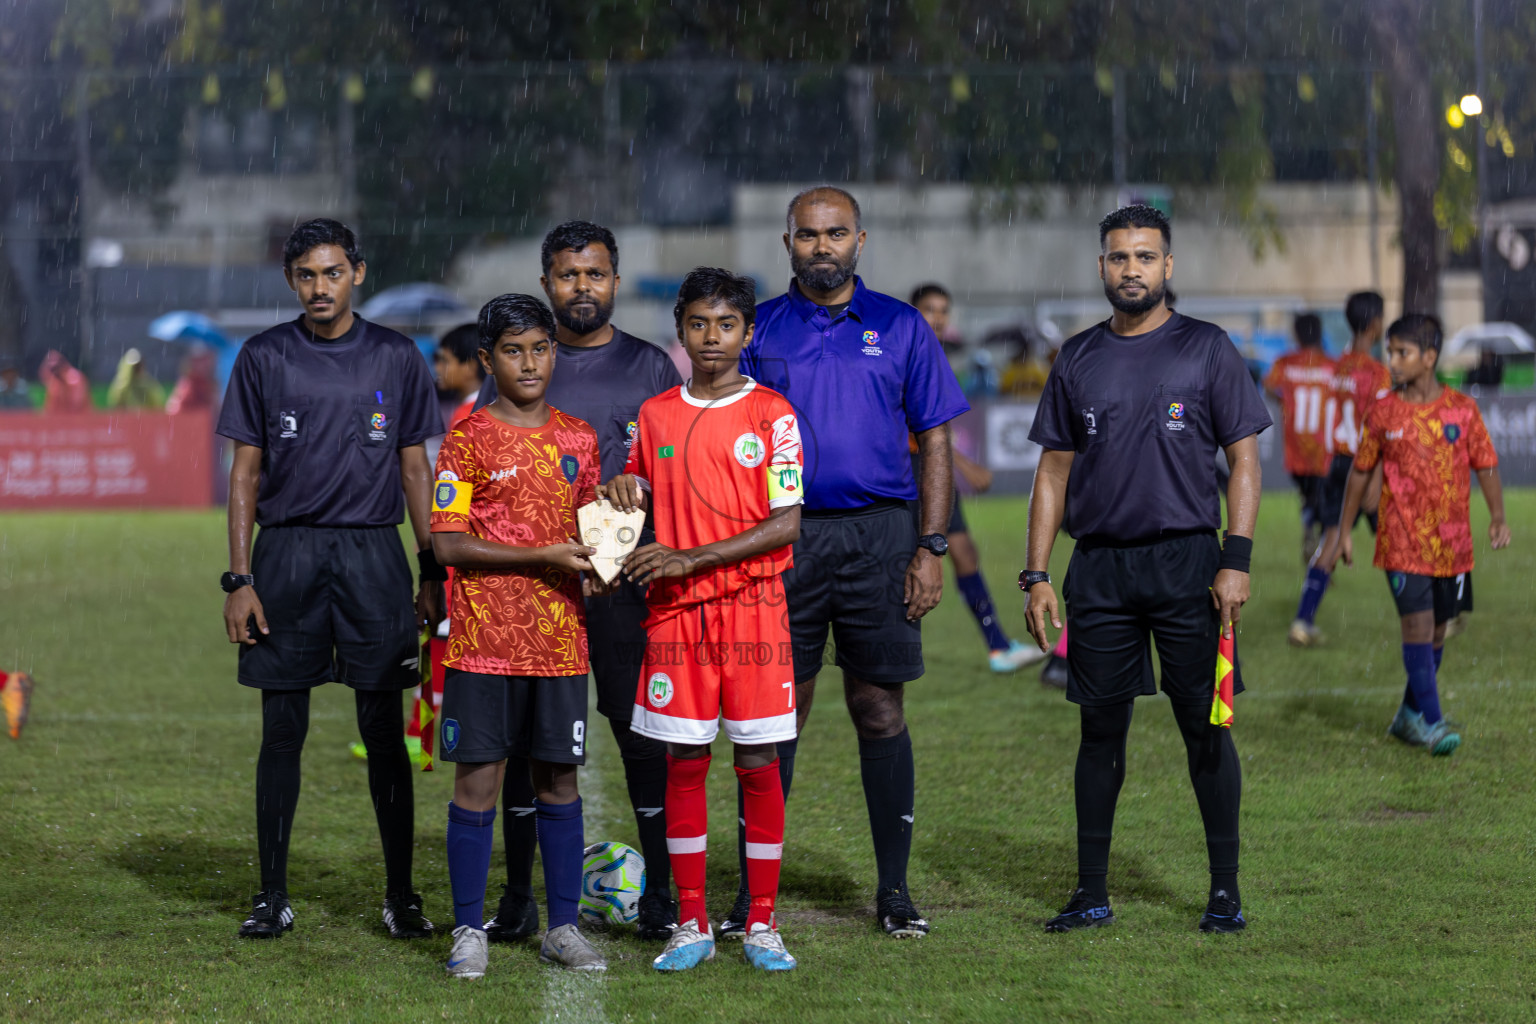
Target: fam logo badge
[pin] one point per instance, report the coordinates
(569, 467)
(750, 450)
(1452, 431)
(872, 343)
(450, 734)
(658, 690)
(377, 427)
(288, 424)
(1175, 416)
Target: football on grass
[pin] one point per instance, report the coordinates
(612, 879)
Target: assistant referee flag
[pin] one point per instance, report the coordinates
(1221, 700)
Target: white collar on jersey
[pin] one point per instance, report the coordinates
(716, 403)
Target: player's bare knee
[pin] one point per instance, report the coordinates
(687, 751)
(553, 783)
(751, 756)
(477, 786)
(877, 712)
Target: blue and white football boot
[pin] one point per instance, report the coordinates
(687, 948)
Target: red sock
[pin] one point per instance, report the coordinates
(763, 807)
(688, 834)
(1061, 644)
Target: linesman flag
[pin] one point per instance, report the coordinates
(425, 716)
(1221, 699)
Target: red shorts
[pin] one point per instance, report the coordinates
(730, 658)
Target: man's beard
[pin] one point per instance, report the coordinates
(1150, 299)
(824, 278)
(583, 321)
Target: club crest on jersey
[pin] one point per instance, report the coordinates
(1451, 431)
(658, 690)
(450, 734)
(451, 496)
(750, 450)
(872, 343)
(569, 467)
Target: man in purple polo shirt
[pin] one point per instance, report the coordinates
(862, 370)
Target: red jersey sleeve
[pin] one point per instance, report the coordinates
(1480, 453)
(454, 487)
(784, 472)
(1370, 441)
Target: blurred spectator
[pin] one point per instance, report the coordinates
(195, 389)
(66, 388)
(1488, 373)
(133, 387)
(13, 390)
(1024, 375)
(459, 373)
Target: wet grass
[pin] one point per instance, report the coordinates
(1380, 885)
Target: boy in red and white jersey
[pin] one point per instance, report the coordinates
(718, 463)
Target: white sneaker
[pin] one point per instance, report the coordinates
(470, 953)
(1015, 657)
(567, 947)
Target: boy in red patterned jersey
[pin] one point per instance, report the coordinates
(509, 481)
(1359, 381)
(718, 462)
(1424, 440)
(1302, 381)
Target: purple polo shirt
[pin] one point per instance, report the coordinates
(860, 383)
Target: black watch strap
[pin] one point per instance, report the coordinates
(936, 543)
(233, 581)
(1029, 578)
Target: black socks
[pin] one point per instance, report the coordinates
(284, 724)
(1217, 777)
(645, 774)
(1096, 788)
(519, 826)
(890, 792)
(381, 723)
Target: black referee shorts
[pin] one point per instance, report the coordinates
(1119, 599)
(340, 607)
(489, 718)
(848, 577)
(616, 646)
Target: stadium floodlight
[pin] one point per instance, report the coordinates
(1471, 104)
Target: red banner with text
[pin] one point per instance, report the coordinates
(106, 460)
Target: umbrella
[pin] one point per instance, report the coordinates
(414, 302)
(184, 325)
(1505, 339)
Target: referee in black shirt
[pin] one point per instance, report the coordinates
(1130, 421)
(329, 415)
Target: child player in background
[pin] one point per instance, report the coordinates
(1360, 380)
(1302, 381)
(1423, 441)
(719, 460)
(509, 481)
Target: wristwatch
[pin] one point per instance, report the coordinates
(231, 581)
(1028, 579)
(934, 542)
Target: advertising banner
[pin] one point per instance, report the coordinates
(106, 460)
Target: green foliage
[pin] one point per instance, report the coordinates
(1380, 885)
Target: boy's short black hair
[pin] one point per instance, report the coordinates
(1138, 215)
(922, 291)
(321, 231)
(574, 236)
(736, 291)
(1420, 329)
(1363, 307)
(463, 342)
(1309, 329)
(515, 313)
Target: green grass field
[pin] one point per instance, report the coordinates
(1379, 884)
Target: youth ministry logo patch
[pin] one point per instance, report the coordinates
(750, 450)
(378, 421)
(872, 343)
(1176, 410)
(378, 425)
(659, 690)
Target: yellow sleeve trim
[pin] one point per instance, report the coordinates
(451, 496)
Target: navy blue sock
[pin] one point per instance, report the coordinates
(1312, 594)
(1419, 660)
(560, 846)
(470, 835)
(974, 589)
